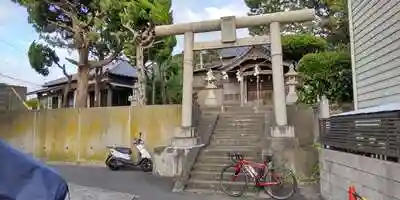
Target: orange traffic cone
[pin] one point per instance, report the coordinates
(352, 190)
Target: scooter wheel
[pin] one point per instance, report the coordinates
(112, 164)
(147, 165)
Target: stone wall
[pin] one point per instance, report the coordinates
(298, 153)
(374, 179)
(81, 135)
(9, 100)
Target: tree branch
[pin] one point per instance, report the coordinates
(60, 25)
(74, 62)
(101, 63)
(62, 67)
(135, 34)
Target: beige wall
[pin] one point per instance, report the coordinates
(74, 135)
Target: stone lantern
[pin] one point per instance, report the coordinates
(211, 99)
(291, 82)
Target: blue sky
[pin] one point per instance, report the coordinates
(16, 35)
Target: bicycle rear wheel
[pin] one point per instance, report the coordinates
(233, 182)
(287, 183)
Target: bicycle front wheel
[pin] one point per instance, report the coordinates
(233, 182)
(287, 183)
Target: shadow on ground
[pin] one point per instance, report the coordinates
(144, 185)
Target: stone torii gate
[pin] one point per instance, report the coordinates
(228, 26)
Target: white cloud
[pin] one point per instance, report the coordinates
(188, 15)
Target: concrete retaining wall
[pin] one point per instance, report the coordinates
(81, 135)
(374, 179)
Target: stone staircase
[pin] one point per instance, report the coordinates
(238, 129)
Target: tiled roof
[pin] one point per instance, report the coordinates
(121, 68)
(237, 51)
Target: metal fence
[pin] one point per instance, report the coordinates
(373, 134)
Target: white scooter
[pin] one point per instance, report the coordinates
(120, 157)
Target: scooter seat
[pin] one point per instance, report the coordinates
(124, 150)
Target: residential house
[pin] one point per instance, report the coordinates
(375, 45)
(12, 97)
(116, 87)
(361, 148)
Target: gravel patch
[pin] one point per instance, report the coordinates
(78, 192)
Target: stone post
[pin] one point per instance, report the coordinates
(324, 108)
(281, 129)
(185, 136)
(187, 80)
(277, 75)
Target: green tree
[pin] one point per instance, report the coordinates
(174, 79)
(335, 23)
(326, 73)
(78, 25)
(258, 7)
(42, 58)
(139, 18)
(294, 47)
(332, 23)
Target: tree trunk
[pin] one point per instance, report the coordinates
(162, 83)
(153, 92)
(141, 76)
(98, 75)
(83, 78)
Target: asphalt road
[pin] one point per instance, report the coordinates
(144, 185)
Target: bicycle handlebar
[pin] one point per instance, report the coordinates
(235, 157)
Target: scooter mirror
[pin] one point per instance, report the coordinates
(140, 134)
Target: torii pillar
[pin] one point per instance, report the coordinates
(274, 20)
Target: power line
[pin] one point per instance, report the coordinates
(17, 79)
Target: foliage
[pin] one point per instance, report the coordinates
(85, 26)
(33, 104)
(134, 16)
(209, 56)
(326, 73)
(294, 47)
(332, 23)
(41, 58)
(258, 7)
(174, 80)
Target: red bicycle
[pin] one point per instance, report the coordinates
(279, 183)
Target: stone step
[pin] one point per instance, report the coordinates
(239, 133)
(241, 123)
(212, 185)
(251, 147)
(205, 175)
(235, 141)
(236, 135)
(220, 159)
(233, 128)
(221, 128)
(242, 115)
(249, 193)
(255, 152)
(215, 167)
